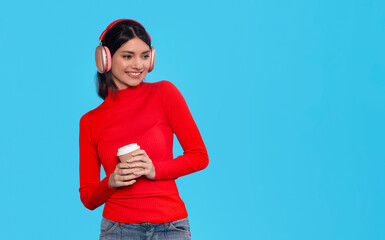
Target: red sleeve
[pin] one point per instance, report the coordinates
(93, 192)
(195, 155)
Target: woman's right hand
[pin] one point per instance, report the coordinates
(122, 176)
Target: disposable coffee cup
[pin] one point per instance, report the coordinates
(124, 153)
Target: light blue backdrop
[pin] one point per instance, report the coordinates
(288, 96)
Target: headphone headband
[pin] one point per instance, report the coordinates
(117, 21)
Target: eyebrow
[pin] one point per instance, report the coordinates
(134, 52)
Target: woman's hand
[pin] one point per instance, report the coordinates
(122, 176)
(142, 164)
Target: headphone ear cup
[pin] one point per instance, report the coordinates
(109, 60)
(103, 59)
(152, 60)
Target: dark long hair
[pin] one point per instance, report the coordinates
(118, 35)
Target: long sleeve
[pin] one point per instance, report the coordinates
(179, 117)
(93, 192)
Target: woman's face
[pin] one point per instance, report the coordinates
(130, 63)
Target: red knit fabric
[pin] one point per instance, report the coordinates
(148, 115)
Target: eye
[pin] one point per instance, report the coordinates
(146, 56)
(127, 56)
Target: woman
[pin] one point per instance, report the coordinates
(140, 196)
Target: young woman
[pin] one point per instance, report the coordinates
(140, 196)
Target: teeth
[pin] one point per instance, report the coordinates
(135, 74)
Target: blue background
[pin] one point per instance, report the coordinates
(288, 96)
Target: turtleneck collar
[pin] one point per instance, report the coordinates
(129, 93)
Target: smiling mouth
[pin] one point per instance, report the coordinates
(134, 74)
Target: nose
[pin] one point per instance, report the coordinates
(136, 63)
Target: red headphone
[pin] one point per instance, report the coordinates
(103, 54)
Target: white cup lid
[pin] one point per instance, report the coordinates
(127, 149)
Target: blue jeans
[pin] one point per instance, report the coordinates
(179, 229)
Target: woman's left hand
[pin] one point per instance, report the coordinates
(140, 159)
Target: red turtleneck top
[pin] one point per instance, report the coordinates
(148, 115)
